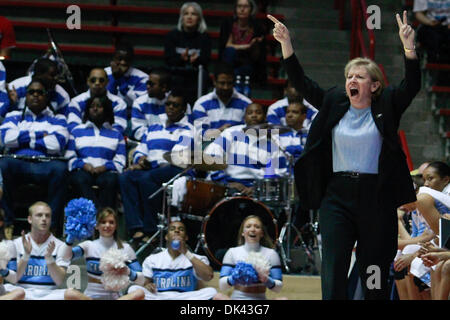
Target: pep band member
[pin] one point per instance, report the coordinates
(353, 169)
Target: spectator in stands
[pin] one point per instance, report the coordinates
(97, 82)
(96, 153)
(7, 37)
(187, 47)
(150, 169)
(148, 108)
(247, 156)
(34, 132)
(295, 118)
(176, 272)
(46, 70)
(223, 107)
(434, 31)
(242, 42)
(125, 80)
(276, 113)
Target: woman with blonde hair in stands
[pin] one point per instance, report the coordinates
(187, 47)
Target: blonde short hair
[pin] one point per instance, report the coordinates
(34, 205)
(201, 27)
(373, 70)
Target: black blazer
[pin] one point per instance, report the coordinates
(315, 167)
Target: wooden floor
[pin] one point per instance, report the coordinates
(294, 287)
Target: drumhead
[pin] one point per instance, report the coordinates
(221, 226)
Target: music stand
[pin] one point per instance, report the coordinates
(288, 225)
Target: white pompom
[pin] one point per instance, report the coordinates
(4, 255)
(115, 271)
(259, 262)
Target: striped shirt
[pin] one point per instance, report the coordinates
(4, 99)
(24, 133)
(78, 104)
(58, 98)
(161, 138)
(97, 147)
(356, 142)
(210, 112)
(145, 112)
(276, 113)
(2, 77)
(131, 85)
(248, 157)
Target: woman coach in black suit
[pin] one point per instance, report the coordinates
(353, 168)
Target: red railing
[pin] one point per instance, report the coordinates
(405, 148)
(357, 45)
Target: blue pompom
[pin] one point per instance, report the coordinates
(244, 274)
(80, 219)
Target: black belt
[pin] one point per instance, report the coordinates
(354, 174)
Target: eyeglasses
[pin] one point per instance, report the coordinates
(94, 80)
(225, 83)
(40, 92)
(174, 104)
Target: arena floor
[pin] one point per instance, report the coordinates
(295, 287)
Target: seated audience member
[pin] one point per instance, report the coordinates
(432, 202)
(96, 153)
(248, 156)
(252, 239)
(37, 264)
(434, 30)
(150, 169)
(97, 82)
(223, 107)
(93, 251)
(441, 262)
(186, 47)
(174, 273)
(276, 113)
(46, 70)
(242, 42)
(296, 114)
(35, 132)
(148, 107)
(124, 80)
(7, 37)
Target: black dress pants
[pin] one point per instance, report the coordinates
(349, 212)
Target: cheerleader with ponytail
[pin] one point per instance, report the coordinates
(111, 264)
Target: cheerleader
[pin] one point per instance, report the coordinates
(107, 225)
(6, 247)
(252, 237)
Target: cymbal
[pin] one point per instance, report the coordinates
(198, 160)
(267, 126)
